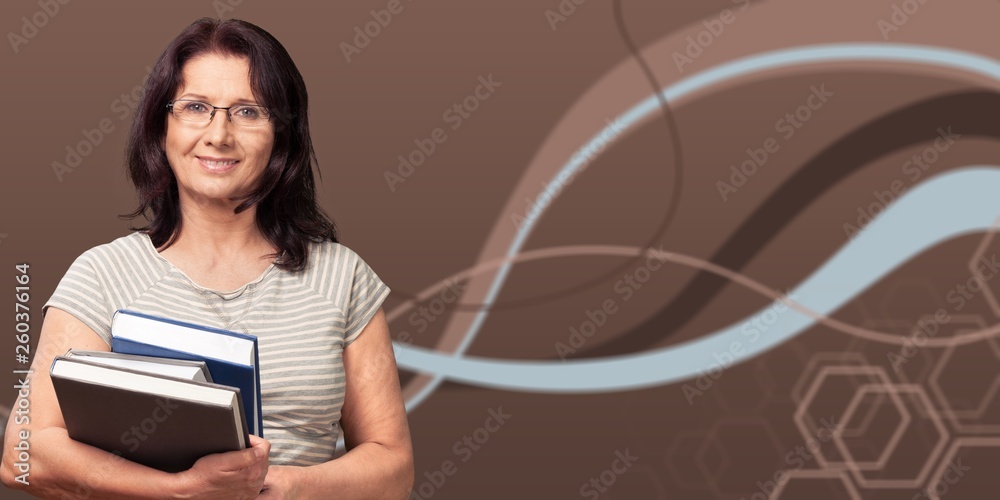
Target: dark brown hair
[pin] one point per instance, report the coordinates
(287, 212)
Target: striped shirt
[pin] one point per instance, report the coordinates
(303, 321)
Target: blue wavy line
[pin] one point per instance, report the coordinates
(425, 361)
(942, 208)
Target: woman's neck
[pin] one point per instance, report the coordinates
(219, 249)
(215, 230)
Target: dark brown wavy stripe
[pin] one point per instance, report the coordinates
(970, 114)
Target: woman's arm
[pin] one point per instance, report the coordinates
(63, 468)
(379, 461)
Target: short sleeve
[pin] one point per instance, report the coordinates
(367, 292)
(81, 294)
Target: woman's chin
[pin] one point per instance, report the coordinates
(221, 198)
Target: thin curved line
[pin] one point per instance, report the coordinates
(703, 265)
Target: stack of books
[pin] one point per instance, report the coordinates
(168, 394)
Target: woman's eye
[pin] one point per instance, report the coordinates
(195, 107)
(247, 112)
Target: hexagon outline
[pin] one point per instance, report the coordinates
(817, 474)
(890, 446)
(938, 423)
(956, 417)
(800, 411)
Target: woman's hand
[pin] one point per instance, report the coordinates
(230, 475)
(280, 484)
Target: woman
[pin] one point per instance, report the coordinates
(221, 157)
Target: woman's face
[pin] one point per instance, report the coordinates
(216, 161)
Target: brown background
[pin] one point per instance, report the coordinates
(557, 89)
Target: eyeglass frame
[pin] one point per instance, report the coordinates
(229, 116)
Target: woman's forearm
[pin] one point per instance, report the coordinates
(63, 468)
(352, 476)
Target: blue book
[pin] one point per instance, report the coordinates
(231, 357)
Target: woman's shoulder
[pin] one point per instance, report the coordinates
(132, 242)
(335, 264)
(339, 274)
(129, 251)
(323, 253)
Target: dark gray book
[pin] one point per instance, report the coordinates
(160, 421)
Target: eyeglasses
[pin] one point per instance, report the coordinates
(243, 115)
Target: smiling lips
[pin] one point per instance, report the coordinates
(217, 165)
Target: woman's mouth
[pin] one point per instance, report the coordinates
(217, 165)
